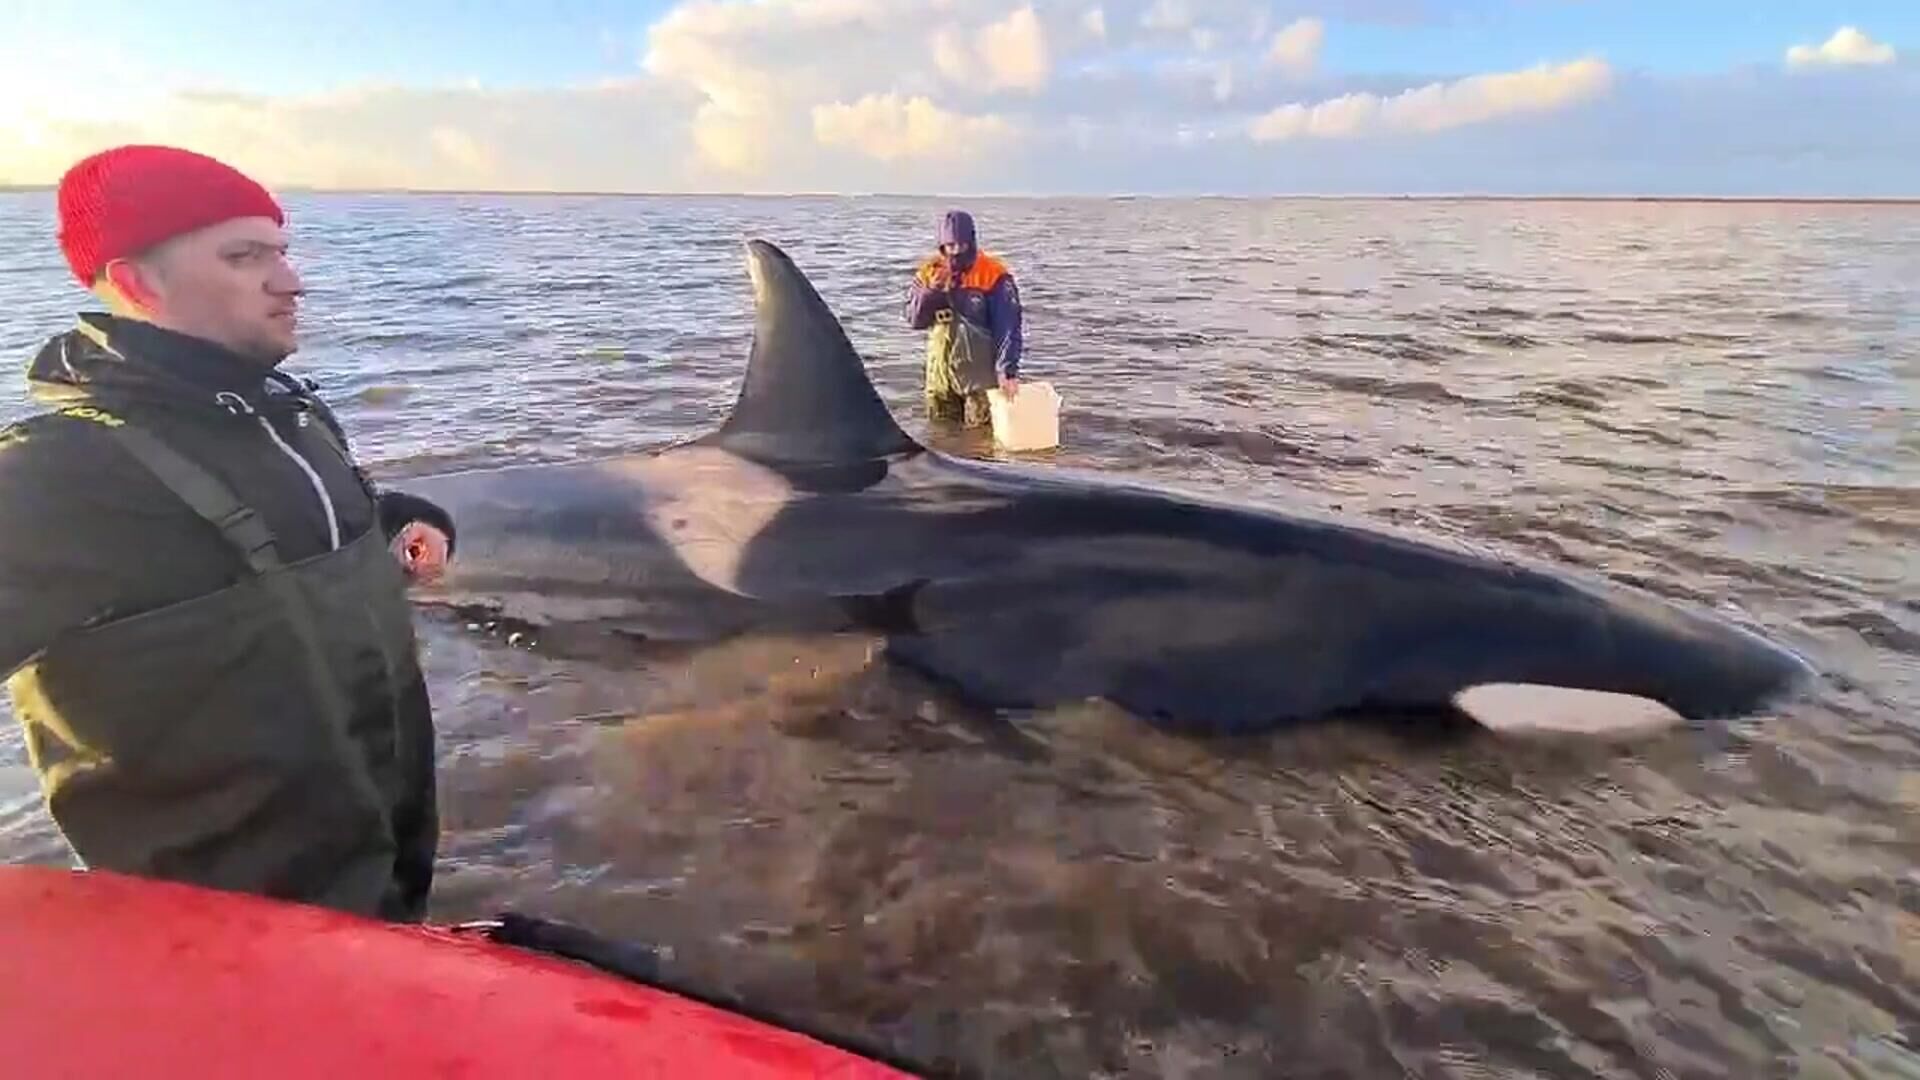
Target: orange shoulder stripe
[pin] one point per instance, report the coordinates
(984, 274)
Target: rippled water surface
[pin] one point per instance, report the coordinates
(1720, 403)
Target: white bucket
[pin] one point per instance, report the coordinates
(1031, 421)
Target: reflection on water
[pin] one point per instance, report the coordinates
(1715, 402)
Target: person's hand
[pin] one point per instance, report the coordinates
(1010, 386)
(422, 551)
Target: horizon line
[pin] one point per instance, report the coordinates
(1460, 196)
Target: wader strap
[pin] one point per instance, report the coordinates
(207, 494)
(243, 527)
(964, 353)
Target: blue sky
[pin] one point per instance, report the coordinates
(866, 94)
(279, 47)
(274, 46)
(1671, 37)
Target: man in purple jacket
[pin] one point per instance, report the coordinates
(969, 301)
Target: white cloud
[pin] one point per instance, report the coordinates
(1095, 22)
(758, 68)
(1168, 15)
(378, 136)
(1236, 21)
(1440, 106)
(1296, 48)
(737, 143)
(460, 149)
(951, 55)
(1015, 51)
(1847, 47)
(1010, 54)
(887, 127)
(752, 64)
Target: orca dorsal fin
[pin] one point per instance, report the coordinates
(806, 397)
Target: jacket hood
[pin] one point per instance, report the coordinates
(109, 356)
(957, 228)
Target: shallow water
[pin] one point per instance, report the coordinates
(1716, 402)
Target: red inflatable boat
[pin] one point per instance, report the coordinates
(103, 975)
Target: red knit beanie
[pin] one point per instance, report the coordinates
(123, 201)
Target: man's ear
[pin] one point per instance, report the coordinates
(134, 281)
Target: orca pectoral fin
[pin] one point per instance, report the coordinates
(1532, 709)
(890, 612)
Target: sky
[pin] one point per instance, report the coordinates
(1240, 97)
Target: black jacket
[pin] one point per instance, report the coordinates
(82, 528)
(167, 690)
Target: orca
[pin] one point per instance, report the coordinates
(1021, 587)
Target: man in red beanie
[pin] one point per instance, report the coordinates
(206, 630)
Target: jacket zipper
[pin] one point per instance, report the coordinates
(320, 489)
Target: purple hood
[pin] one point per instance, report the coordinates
(957, 228)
